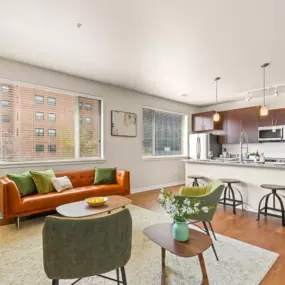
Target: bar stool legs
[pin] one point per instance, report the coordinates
(229, 197)
(264, 210)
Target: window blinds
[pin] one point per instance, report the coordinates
(163, 133)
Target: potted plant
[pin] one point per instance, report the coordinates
(181, 210)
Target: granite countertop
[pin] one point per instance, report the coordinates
(274, 165)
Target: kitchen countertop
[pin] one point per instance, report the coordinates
(272, 165)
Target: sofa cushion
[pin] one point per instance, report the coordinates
(24, 182)
(105, 176)
(53, 199)
(42, 180)
(61, 183)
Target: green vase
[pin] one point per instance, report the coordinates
(180, 230)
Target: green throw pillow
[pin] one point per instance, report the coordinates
(194, 191)
(105, 176)
(24, 182)
(42, 180)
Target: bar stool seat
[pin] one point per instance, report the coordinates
(195, 178)
(274, 194)
(229, 198)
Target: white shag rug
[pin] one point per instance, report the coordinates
(240, 263)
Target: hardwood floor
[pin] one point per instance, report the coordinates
(267, 234)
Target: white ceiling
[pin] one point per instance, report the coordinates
(161, 47)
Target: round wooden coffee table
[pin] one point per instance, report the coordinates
(198, 242)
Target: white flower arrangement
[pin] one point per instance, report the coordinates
(180, 210)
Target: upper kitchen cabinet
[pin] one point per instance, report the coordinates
(204, 122)
(274, 118)
(238, 120)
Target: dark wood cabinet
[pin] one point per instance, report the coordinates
(204, 122)
(274, 118)
(238, 120)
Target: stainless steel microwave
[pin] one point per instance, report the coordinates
(271, 133)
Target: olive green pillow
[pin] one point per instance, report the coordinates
(105, 176)
(194, 191)
(24, 182)
(43, 181)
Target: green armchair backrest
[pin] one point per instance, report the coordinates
(211, 199)
(77, 248)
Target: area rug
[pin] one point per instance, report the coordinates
(240, 263)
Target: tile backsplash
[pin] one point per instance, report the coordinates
(270, 149)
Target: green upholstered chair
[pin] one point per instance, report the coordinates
(207, 196)
(78, 248)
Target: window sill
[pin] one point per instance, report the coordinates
(166, 157)
(51, 163)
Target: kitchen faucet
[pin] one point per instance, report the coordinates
(243, 139)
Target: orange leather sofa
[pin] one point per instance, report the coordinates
(12, 205)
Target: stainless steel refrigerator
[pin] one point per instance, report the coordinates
(200, 145)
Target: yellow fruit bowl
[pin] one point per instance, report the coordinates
(96, 201)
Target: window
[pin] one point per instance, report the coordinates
(52, 148)
(40, 148)
(5, 103)
(80, 105)
(39, 132)
(5, 118)
(52, 133)
(39, 99)
(51, 101)
(5, 89)
(52, 117)
(164, 133)
(88, 107)
(39, 116)
(57, 131)
(88, 121)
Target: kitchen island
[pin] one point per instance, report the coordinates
(251, 175)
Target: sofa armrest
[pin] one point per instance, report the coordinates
(123, 179)
(9, 197)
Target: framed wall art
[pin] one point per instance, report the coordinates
(123, 124)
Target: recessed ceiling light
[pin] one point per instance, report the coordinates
(78, 25)
(184, 95)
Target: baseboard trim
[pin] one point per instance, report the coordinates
(154, 187)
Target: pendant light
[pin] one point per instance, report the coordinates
(264, 109)
(216, 116)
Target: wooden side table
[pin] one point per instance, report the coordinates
(161, 234)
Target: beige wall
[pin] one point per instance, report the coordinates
(124, 153)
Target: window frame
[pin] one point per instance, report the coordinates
(51, 104)
(54, 117)
(39, 113)
(40, 132)
(37, 102)
(39, 144)
(72, 161)
(185, 131)
(7, 116)
(49, 133)
(6, 106)
(49, 148)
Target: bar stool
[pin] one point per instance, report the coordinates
(264, 210)
(195, 178)
(229, 198)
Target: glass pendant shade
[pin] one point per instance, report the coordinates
(216, 117)
(263, 111)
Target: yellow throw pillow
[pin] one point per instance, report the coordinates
(193, 191)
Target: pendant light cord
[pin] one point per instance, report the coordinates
(264, 86)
